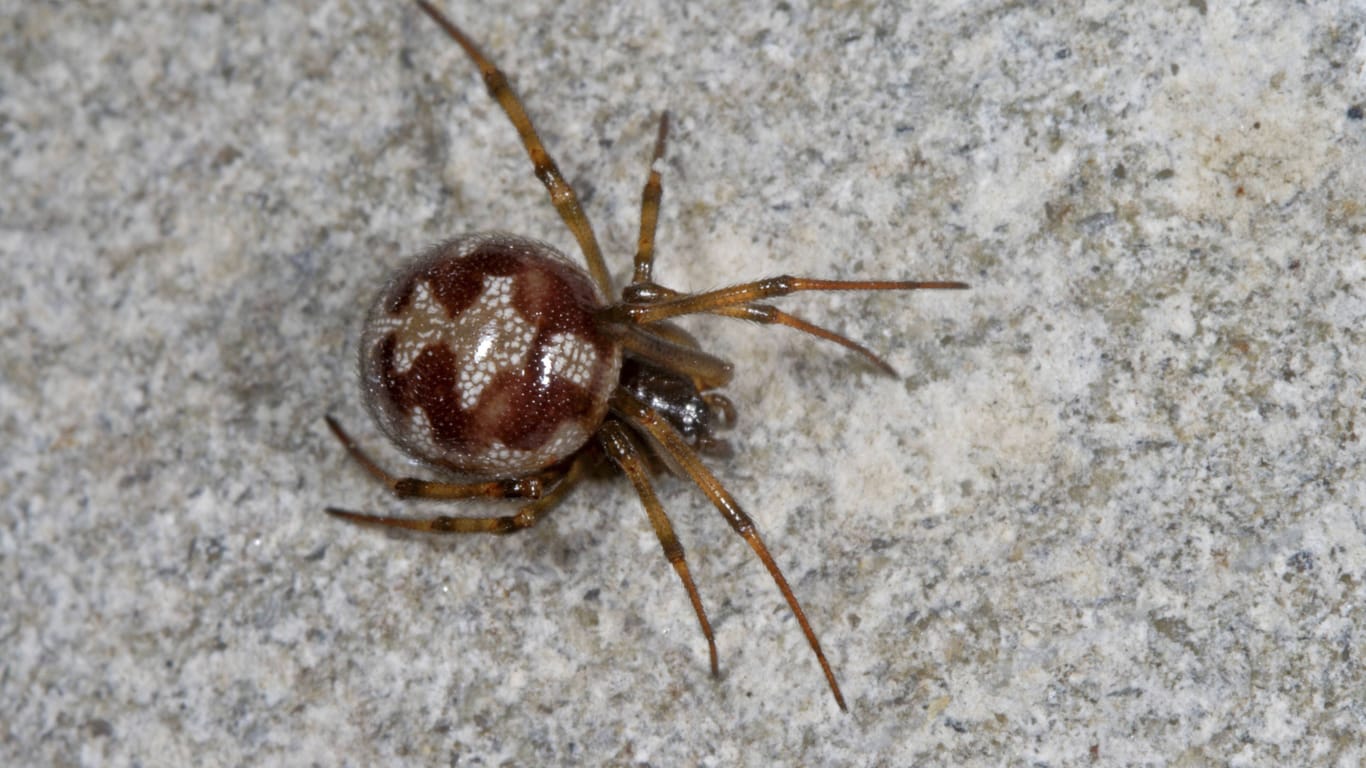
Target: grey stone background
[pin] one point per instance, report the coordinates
(1110, 514)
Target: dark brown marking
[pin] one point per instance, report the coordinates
(522, 407)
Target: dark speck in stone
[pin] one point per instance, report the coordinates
(1301, 561)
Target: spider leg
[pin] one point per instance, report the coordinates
(649, 208)
(768, 314)
(662, 434)
(707, 370)
(526, 517)
(623, 450)
(674, 333)
(745, 293)
(412, 487)
(561, 194)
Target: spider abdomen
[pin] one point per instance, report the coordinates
(484, 356)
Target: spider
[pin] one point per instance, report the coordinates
(497, 361)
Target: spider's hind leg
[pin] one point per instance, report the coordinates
(561, 194)
(525, 517)
(412, 487)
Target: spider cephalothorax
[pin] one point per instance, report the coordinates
(496, 359)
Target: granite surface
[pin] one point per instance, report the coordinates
(1110, 513)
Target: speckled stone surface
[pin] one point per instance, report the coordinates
(1110, 514)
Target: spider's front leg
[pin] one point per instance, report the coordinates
(646, 303)
(649, 209)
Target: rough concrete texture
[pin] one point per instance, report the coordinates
(1110, 513)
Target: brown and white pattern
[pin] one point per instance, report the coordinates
(501, 337)
(482, 356)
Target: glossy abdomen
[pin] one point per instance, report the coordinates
(483, 356)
